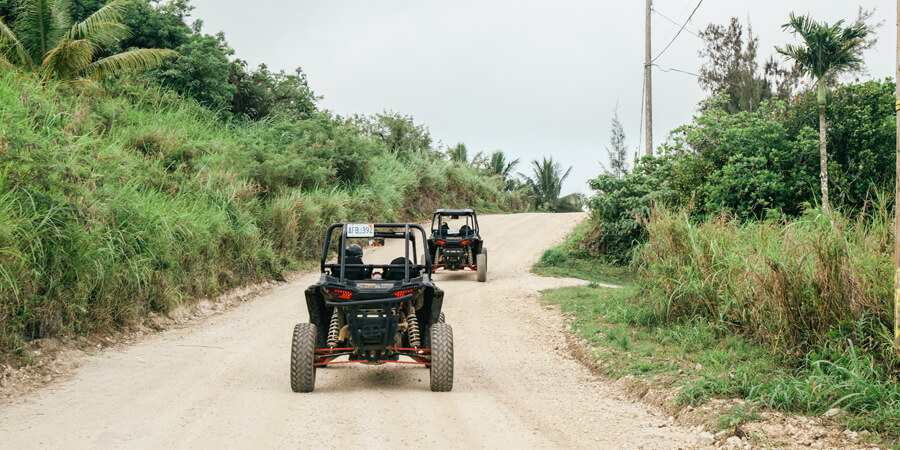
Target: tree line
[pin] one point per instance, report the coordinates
(543, 186)
(763, 145)
(94, 39)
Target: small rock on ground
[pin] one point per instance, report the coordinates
(705, 438)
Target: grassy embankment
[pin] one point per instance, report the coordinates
(789, 316)
(122, 199)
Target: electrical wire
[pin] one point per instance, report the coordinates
(671, 69)
(676, 24)
(679, 31)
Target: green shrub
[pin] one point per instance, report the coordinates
(122, 199)
(752, 165)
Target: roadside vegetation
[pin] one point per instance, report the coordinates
(761, 259)
(122, 199)
(699, 357)
(125, 195)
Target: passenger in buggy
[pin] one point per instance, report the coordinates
(397, 273)
(353, 255)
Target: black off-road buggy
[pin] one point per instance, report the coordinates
(373, 313)
(455, 242)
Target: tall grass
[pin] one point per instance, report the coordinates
(815, 290)
(790, 284)
(117, 200)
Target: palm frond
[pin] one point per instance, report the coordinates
(499, 165)
(40, 25)
(7, 37)
(97, 27)
(828, 49)
(105, 34)
(67, 59)
(134, 60)
(459, 154)
(564, 176)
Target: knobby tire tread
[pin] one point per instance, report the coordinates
(441, 357)
(303, 345)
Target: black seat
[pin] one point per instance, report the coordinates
(396, 273)
(356, 273)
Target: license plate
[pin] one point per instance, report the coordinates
(374, 285)
(360, 230)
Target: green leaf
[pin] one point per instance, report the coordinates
(134, 60)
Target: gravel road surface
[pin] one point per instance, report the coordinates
(222, 382)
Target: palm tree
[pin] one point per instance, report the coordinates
(500, 167)
(45, 42)
(460, 154)
(828, 51)
(547, 182)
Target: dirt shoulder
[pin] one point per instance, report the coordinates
(682, 368)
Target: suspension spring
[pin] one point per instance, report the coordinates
(412, 321)
(334, 330)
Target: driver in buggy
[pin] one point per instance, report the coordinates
(353, 255)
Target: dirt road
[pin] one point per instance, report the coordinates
(223, 382)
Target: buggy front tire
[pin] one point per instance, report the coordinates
(303, 349)
(481, 265)
(441, 357)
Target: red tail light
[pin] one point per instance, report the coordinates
(465, 242)
(405, 292)
(440, 242)
(341, 294)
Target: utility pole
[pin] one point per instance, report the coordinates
(648, 98)
(897, 200)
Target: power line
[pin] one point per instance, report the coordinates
(676, 24)
(679, 31)
(671, 69)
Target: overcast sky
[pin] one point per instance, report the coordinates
(530, 78)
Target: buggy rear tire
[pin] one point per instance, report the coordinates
(303, 349)
(442, 318)
(481, 265)
(441, 357)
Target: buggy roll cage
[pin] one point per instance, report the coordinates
(406, 235)
(453, 212)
